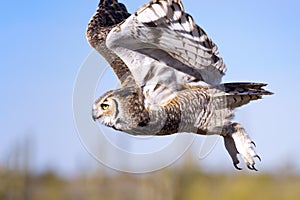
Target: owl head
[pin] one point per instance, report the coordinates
(118, 108)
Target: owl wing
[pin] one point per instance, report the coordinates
(160, 37)
(108, 15)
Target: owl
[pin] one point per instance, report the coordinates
(170, 73)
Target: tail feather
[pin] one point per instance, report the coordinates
(239, 94)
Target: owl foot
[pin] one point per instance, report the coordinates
(236, 142)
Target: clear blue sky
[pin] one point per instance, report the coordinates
(43, 45)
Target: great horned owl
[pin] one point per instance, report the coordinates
(170, 72)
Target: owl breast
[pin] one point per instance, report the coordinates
(191, 110)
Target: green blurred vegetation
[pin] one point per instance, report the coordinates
(186, 182)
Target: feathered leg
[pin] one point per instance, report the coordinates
(237, 141)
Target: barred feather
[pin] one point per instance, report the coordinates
(239, 94)
(163, 31)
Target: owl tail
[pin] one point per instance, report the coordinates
(239, 94)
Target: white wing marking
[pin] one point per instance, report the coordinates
(161, 35)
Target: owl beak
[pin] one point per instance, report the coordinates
(95, 114)
(94, 117)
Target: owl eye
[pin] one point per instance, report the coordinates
(104, 106)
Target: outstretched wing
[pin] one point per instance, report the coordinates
(160, 37)
(108, 15)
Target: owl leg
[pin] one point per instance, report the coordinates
(237, 141)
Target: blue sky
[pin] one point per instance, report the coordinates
(43, 45)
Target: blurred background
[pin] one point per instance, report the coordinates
(43, 46)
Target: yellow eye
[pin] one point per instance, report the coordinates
(104, 106)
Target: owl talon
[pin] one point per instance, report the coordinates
(238, 142)
(236, 166)
(252, 167)
(258, 157)
(253, 144)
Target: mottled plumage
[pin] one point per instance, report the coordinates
(108, 15)
(172, 73)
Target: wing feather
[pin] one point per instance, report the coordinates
(108, 15)
(162, 27)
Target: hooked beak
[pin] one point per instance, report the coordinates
(95, 114)
(94, 117)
